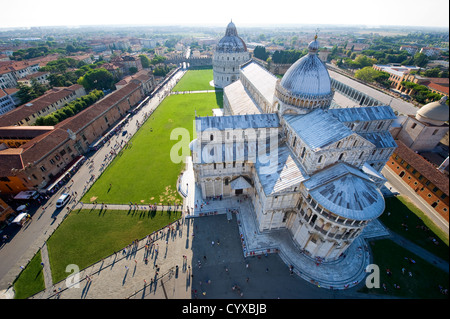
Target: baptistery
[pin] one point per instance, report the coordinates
(229, 54)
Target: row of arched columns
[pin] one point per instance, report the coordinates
(361, 98)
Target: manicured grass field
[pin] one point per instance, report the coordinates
(87, 236)
(144, 172)
(195, 80)
(31, 279)
(408, 221)
(424, 282)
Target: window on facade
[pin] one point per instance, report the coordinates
(408, 166)
(361, 155)
(43, 169)
(303, 152)
(320, 158)
(414, 125)
(443, 196)
(341, 157)
(435, 132)
(211, 138)
(435, 189)
(215, 166)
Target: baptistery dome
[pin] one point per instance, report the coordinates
(306, 84)
(230, 53)
(231, 42)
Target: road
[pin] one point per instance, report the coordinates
(32, 236)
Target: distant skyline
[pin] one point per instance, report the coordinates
(245, 13)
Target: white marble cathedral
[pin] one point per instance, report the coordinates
(308, 168)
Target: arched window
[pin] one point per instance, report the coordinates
(211, 138)
(360, 155)
(341, 157)
(320, 158)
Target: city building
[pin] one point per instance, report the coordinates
(430, 51)
(230, 53)
(411, 49)
(52, 100)
(397, 72)
(8, 100)
(423, 131)
(32, 158)
(423, 177)
(307, 168)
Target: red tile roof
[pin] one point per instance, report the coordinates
(428, 170)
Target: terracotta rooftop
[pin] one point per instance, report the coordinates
(428, 170)
(52, 96)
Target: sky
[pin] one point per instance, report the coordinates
(29, 13)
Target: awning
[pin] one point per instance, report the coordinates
(240, 183)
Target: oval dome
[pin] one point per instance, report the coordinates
(434, 112)
(308, 75)
(231, 42)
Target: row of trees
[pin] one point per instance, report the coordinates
(70, 109)
(421, 93)
(46, 49)
(27, 93)
(370, 75)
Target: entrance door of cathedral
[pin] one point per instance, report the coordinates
(238, 191)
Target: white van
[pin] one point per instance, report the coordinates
(62, 200)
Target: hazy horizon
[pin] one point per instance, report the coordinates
(195, 13)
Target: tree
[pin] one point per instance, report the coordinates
(100, 79)
(420, 60)
(133, 70)
(145, 61)
(383, 79)
(260, 53)
(366, 74)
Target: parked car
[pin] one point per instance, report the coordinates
(62, 200)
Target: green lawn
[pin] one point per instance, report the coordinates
(405, 213)
(425, 279)
(31, 279)
(87, 236)
(195, 80)
(144, 173)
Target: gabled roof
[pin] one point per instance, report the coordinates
(261, 79)
(280, 171)
(210, 123)
(318, 128)
(363, 114)
(239, 100)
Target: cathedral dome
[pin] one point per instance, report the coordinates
(231, 42)
(306, 85)
(435, 113)
(308, 75)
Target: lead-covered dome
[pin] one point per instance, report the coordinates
(231, 42)
(435, 113)
(308, 75)
(306, 85)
